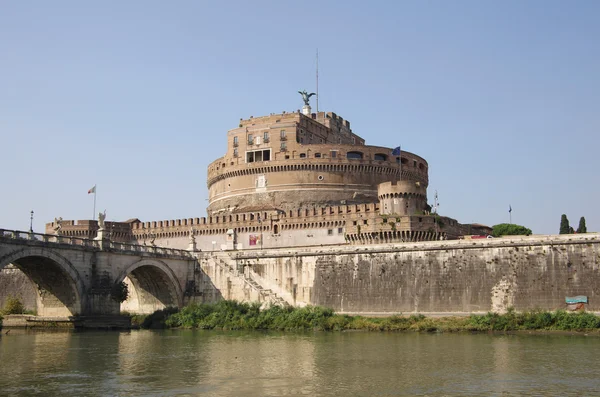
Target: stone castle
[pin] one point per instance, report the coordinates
(298, 179)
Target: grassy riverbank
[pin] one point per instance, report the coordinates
(232, 315)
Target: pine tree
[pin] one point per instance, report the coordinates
(582, 228)
(564, 225)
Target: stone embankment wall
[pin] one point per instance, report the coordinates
(428, 277)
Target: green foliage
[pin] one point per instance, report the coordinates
(535, 320)
(13, 305)
(235, 315)
(119, 292)
(582, 228)
(157, 319)
(564, 225)
(509, 229)
(232, 315)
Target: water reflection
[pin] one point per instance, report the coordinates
(169, 363)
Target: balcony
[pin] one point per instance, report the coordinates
(236, 144)
(266, 139)
(283, 138)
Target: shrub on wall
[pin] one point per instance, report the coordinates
(119, 292)
(509, 229)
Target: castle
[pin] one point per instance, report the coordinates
(298, 179)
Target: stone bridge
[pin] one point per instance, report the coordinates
(79, 277)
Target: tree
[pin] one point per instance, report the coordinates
(509, 229)
(564, 225)
(582, 228)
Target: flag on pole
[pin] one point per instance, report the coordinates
(509, 208)
(396, 151)
(92, 190)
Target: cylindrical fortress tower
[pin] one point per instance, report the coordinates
(401, 197)
(293, 160)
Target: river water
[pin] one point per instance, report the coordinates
(214, 363)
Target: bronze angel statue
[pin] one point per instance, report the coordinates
(306, 96)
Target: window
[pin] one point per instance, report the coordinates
(380, 157)
(235, 141)
(340, 230)
(354, 155)
(330, 232)
(266, 136)
(283, 146)
(318, 155)
(365, 222)
(250, 139)
(302, 155)
(353, 140)
(333, 154)
(414, 163)
(258, 155)
(235, 152)
(282, 135)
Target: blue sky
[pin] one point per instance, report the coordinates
(501, 98)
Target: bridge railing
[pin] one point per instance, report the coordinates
(47, 238)
(84, 242)
(148, 249)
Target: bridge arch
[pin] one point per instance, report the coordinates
(59, 288)
(152, 286)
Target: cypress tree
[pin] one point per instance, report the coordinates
(564, 225)
(582, 228)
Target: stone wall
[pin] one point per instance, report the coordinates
(14, 283)
(433, 277)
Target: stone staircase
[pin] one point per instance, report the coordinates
(268, 296)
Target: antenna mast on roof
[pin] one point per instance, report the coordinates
(317, 80)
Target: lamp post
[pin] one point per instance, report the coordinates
(31, 222)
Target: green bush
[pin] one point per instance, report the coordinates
(535, 320)
(232, 315)
(509, 229)
(157, 319)
(13, 305)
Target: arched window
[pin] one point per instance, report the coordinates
(380, 157)
(354, 155)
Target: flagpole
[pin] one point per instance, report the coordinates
(94, 214)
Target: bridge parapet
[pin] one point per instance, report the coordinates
(29, 238)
